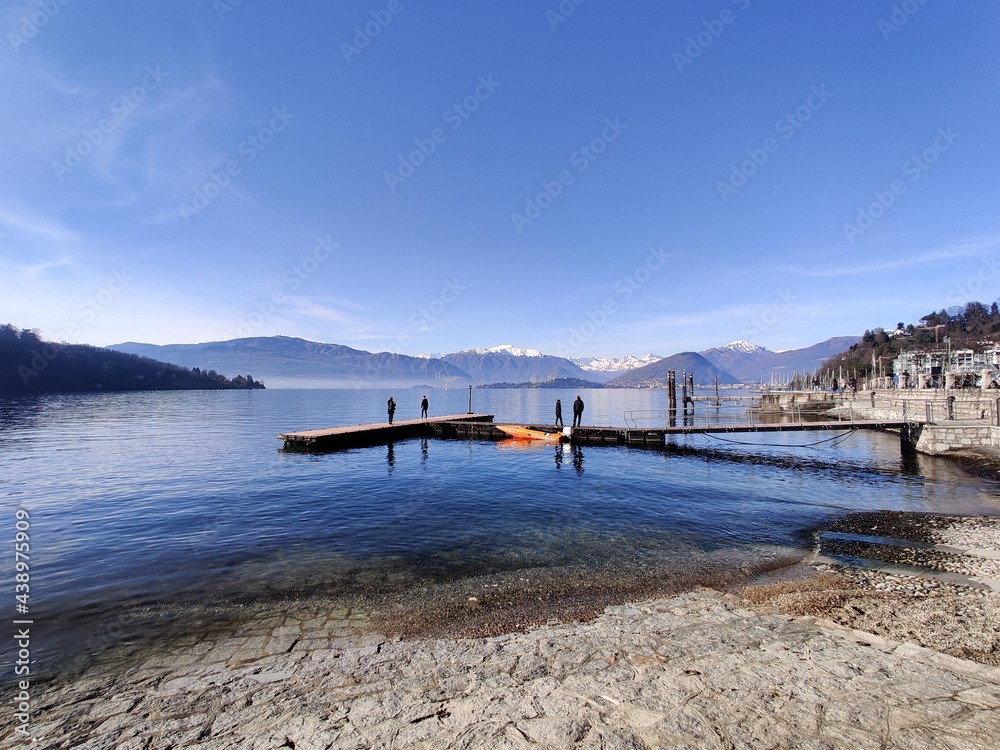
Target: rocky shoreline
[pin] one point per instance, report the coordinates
(941, 591)
(851, 655)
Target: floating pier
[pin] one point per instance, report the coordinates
(356, 436)
(654, 437)
(482, 427)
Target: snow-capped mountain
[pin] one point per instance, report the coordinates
(512, 364)
(750, 362)
(745, 347)
(736, 357)
(655, 375)
(509, 349)
(614, 364)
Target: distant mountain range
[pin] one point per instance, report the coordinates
(751, 363)
(610, 366)
(486, 364)
(508, 364)
(284, 362)
(738, 358)
(655, 375)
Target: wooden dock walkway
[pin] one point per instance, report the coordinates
(482, 427)
(354, 436)
(654, 437)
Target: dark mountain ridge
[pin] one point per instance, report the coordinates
(29, 364)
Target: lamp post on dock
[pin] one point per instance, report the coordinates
(470, 400)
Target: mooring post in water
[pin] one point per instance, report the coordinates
(909, 434)
(717, 403)
(671, 392)
(691, 390)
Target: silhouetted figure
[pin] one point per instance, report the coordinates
(423, 407)
(559, 421)
(578, 412)
(391, 408)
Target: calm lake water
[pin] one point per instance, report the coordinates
(145, 503)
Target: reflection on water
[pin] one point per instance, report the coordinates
(150, 507)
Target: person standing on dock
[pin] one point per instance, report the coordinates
(423, 407)
(578, 412)
(391, 407)
(559, 420)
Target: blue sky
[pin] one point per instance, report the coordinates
(583, 178)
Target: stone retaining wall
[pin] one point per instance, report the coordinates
(936, 439)
(932, 439)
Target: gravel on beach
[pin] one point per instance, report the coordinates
(959, 616)
(832, 656)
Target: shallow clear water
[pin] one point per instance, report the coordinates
(145, 501)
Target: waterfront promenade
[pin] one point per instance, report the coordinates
(942, 421)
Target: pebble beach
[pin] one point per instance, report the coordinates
(834, 656)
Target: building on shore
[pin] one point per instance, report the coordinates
(963, 368)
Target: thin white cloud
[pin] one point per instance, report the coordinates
(329, 309)
(36, 269)
(27, 223)
(58, 83)
(960, 249)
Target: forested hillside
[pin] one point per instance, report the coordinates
(29, 364)
(975, 326)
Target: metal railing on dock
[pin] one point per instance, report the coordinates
(708, 414)
(923, 410)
